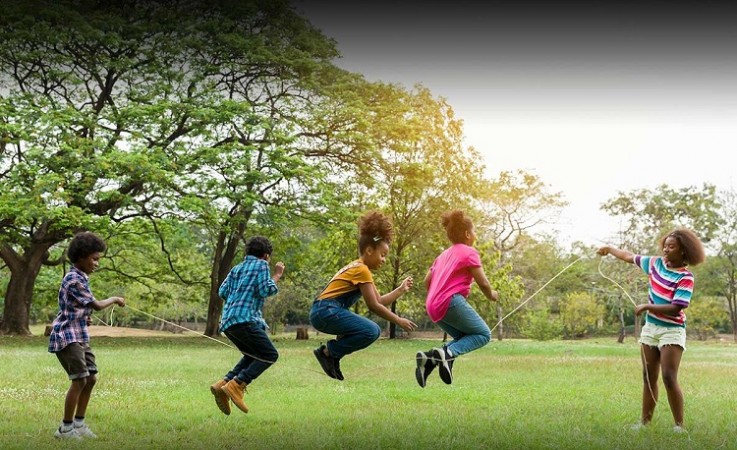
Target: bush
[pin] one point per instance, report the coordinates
(580, 313)
(541, 326)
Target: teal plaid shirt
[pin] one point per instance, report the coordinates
(244, 291)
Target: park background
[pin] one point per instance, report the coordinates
(177, 132)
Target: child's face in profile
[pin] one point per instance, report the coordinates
(374, 257)
(89, 263)
(471, 236)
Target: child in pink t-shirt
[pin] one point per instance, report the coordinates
(448, 284)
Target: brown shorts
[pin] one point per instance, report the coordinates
(77, 360)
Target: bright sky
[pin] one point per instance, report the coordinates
(593, 98)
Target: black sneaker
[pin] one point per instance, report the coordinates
(336, 368)
(425, 365)
(444, 360)
(326, 362)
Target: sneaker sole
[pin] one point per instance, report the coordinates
(221, 401)
(420, 370)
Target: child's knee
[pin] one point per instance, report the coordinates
(373, 332)
(91, 380)
(670, 379)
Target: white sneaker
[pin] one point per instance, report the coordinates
(84, 431)
(679, 429)
(637, 426)
(69, 434)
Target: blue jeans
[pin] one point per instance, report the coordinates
(465, 326)
(258, 351)
(353, 332)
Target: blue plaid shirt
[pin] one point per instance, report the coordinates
(244, 290)
(70, 324)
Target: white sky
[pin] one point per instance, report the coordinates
(592, 112)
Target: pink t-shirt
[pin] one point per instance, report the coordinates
(450, 275)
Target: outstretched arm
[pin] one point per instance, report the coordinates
(102, 304)
(624, 255)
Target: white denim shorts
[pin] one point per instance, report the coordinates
(658, 336)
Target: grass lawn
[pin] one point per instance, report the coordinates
(515, 394)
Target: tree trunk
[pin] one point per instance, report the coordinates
(23, 272)
(732, 301)
(225, 251)
(500, 328)
(392, 325)
(622, 328)
(215, 303)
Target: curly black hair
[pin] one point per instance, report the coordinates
(456, 224)
(83, 245)
(374, 227)
(258, 246)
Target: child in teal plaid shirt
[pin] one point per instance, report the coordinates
(244, 291)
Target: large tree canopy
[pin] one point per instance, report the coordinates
(111, 110)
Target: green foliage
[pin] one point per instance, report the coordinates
(540, 325)
(652, 213)
(706, 317)
(580, 313)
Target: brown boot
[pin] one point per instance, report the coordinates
(235, 391)
(221, 398)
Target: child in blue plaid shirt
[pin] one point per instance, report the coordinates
(69, 338)
(244, 291)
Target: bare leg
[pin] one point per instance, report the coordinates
(84, 396)
(73, 397)
(651, 368)
(671, 360)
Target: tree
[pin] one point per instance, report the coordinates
(514, 204)
(90, 116)
(651, 213)
(424, 171)
(580, 313)
(720, 271)
(205, 113)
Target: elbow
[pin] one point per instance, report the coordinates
(96, 306)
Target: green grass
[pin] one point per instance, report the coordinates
(154, 393)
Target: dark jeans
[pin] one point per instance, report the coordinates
(354, 332)
(258, 351)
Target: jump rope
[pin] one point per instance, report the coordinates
(642, 351)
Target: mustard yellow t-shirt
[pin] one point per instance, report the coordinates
(347, 280)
